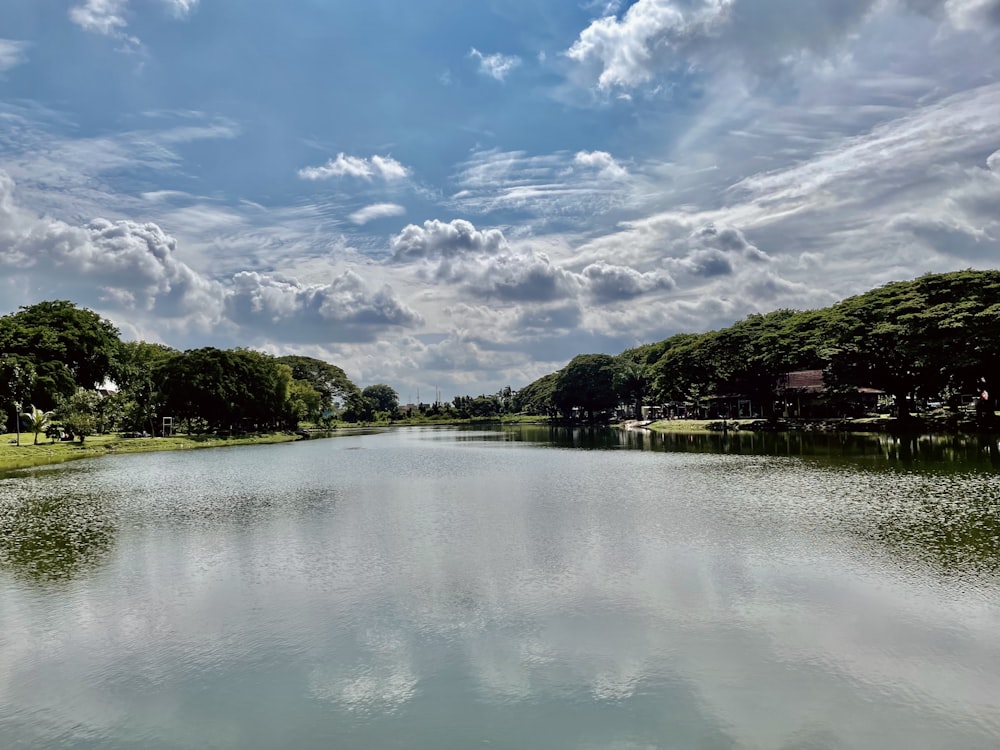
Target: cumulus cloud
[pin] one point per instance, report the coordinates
(376, 211)
(12, 53)
(439, 239)
(517, 277)
(610, 283)
(495, 66)
(383, 167)
(481, 262)
(657, 36)
(344, 310)
(133, 264)
(134, 268)
(601, 161)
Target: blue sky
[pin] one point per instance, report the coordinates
(463, 195)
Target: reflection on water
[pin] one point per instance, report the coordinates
(939, 452)
(908, 493)
(54, 536)
(465, 588)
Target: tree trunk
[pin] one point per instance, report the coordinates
(902, 408)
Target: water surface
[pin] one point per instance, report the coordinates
(524, 588)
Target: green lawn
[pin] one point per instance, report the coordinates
(25, 455)
(691, 426)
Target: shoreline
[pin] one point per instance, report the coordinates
(27, 455)
(862, 425)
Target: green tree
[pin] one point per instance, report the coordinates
(383, 398)
(69, 346)
(37, 421)
(587, 383)
(358, 408)
(78, 413)
(538, 397)
(686, 372)
(134, 374)
(631, 383)
(234, 389)
(17, 382)
(329, 380)
(305, 403)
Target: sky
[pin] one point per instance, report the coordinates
(452, 197)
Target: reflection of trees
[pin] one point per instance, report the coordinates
(960, 536)
(54, 538)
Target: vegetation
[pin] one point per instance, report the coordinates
(11, 457)
(65, 372)
(934, 338)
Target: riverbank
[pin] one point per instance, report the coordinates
(918, 424)
(26, 455)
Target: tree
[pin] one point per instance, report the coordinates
(78, 413)
(69, 346)
(134, 373)
(17, 381)
(630, 383)
(37, 421)
(383, 398)
(686, 372)
(305, 403)
(747, 357)
(328, 380)
(229, 389)
(588, 383)
(537, 397)
(358, 408)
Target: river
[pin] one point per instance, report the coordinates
(507, 588)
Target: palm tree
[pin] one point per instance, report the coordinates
(38, 420)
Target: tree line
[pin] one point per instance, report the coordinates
(936, 337)
(55, 357)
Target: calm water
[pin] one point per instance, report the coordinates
(512, 589)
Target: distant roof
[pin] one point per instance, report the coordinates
(811, 381)
(805, 380)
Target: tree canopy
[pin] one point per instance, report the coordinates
(934, 336)
(53, 355)
(67, 346)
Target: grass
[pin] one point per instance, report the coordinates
(691, 426)
(26, 455)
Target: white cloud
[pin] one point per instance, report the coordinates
(438, 239)
(12, 54)
(344, 310)
(384, 167)
(134, 269)
(603, 162)
(109, 17)
(69, 177)
(610, 283)
(134, 264)
(524, 276)
(376, 211)
(556, 186)
(181, 8)
(752, 36)
(496, 65)
(100, 16)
